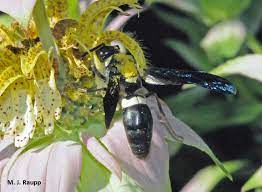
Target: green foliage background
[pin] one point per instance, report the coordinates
(210, 114)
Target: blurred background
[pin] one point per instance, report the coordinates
(203, 35)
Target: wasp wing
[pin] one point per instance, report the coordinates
(163, 76)
(110, 99)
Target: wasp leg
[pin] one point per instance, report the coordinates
(163, 119)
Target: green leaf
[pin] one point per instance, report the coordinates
(187, 98)
(194, 30)
(94, 176)
(207, 113)
(189, 137)
(6, 20)
(173, 148)
(95, 126)
(127, 184)
(195, 141)
(252, 17)
(254, 182)
(254, 44)
(249, 65)
(206, 179)
(38, 143)
(195, 57)
(20, 10)
(73, 9)
(213, 11)
(224, 40)
(43, 27)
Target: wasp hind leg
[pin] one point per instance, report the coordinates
(163, 119)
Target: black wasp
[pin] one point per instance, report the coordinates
(137, 117)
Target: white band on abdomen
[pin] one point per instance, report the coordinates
(132, 101)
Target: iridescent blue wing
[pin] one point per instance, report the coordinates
(163, 76)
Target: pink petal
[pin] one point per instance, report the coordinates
(120, 20)
(6, 141)
(19, 172)
(64, 167)
(57, 167)
(103, 156)
(152, 173)
(2, 165)
(20, 10)
(36, 168)
(5, 172)
(6, 147)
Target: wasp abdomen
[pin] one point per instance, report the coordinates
(138, 122)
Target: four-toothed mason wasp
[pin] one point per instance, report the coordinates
(125, 84)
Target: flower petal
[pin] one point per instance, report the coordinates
(7, 77)
(12, 103)
(103, 156)
(57, 9)
(92, 20)
(184, 134)
(28, 125)
(63, 176)
(2, 165)
(20, 10)
(120, 20)
(150, 173)
(42, 165)
(5, 172)
(248, 65)
(29, 166)
(5, 142)
(47, 103)
(17, 117)
(6, 147)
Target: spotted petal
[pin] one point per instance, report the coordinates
(58, 9)
(47, 105)
(9, 69)
(8, 76)
(36, 61)
(27, 126)
(7, 58)
(17, 117)
(7, 36)
(92, 20)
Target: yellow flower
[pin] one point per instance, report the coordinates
(28, 94)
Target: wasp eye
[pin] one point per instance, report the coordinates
(105, 52)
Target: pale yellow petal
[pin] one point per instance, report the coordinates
(47, 102)
(7, 77)
(28, 125)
